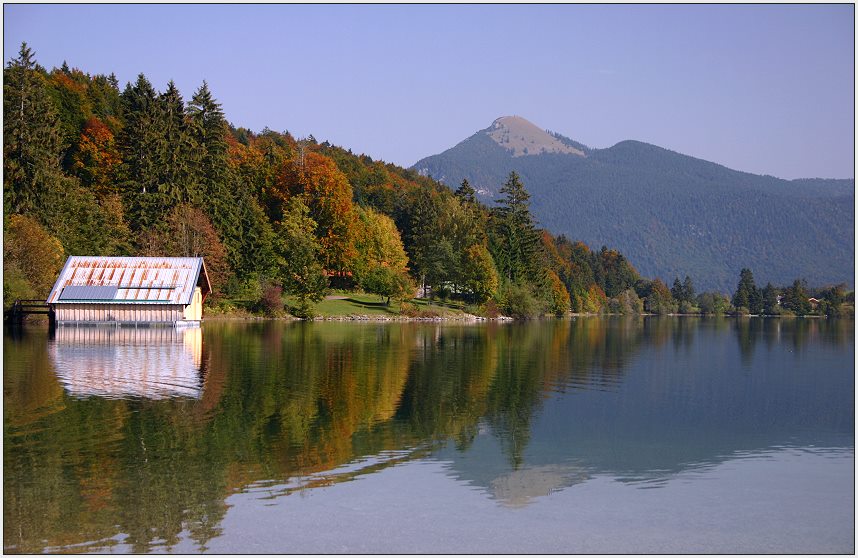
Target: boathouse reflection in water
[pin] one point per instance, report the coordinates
(121, 362)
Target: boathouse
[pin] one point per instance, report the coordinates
(97, 289)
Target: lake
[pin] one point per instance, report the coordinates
(584, 435)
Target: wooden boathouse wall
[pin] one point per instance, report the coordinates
(125, 313)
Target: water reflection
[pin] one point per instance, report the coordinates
(124, 362)
(140, 436)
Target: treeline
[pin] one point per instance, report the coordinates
(92, 169)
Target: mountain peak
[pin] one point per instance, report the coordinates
(522, 137)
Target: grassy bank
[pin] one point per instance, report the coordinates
(344, 305)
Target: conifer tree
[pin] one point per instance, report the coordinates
(795, 298)
(688, 290)
(141, 145)
(747, 294)
(676, 290)
(466, 193)
(32, 145)
(770, 300)
(178, 152)
(208, 131)
(516, 238)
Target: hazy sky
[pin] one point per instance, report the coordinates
(767, 89)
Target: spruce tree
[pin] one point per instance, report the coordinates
(208, 130)
(178, 150)
(770, 300)
(466, 193)
(32, 145)
(747, 294)
(217, 190)
(677, 291)
(688, 290)
(795, 298)
(141, 143)
(516, 238)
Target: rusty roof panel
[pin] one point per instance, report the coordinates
(169, 280)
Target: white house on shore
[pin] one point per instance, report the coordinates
(98, 289)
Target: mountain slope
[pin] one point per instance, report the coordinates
(670, 214)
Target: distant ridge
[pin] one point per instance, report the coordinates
(671, 214)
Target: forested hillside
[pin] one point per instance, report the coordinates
(97, 169)
(671, 214)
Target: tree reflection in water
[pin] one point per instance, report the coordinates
(109, 440)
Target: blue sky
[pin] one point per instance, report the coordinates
(767, 89)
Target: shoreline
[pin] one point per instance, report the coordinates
(461, 318)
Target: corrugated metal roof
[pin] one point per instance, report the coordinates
(133, 280)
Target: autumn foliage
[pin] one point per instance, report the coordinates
(102, 170)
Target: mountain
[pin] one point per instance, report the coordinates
(672, 215)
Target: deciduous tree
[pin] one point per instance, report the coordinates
(298, 251)
(32, 259)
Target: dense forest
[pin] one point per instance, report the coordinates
(93, 169)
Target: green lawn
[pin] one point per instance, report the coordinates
(372, 305)
(364, 305)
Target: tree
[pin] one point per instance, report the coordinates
(613, 272)
(516, 239)
(657, 298)
(32, 259)
(178, 156)
(377, 243)
(479, 275)
(688, 290)
(32, 145)
(380, 264)
(466, 193)
(188, 232)
(559, 303)
(676, 290)
(386, 282)
(747, 294)
(713, 303)
(770, 300)
(683, 294)
(326, 192)
(795, 298)
(96, 158)
(140, 143)
(298, 251)
(208, 131)
(627, 303)
(68, 90)
(422, 226)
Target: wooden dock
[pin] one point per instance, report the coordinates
(22, 308)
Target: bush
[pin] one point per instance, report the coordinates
(305, 309)
(686, 307)
(272, 299)
(519, 303)
(627, 303)
(490, 309)
(411, 310)
(15, 286)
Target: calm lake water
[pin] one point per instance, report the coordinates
(656, 435)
